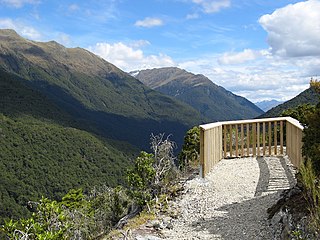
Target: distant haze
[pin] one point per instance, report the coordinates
(268, 104)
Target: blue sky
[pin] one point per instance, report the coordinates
(260, 49)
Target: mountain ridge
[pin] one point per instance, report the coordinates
(308, 96)
(113, 103)
(212, 101)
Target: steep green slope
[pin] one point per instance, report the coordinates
(45, 159)
(213, 102)
(19, 100)
(40, 155)
(105, 99)
(308, 96)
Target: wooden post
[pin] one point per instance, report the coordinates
(270, 139)
(230, 142)
(248, 140)
(281, 137)
(202, 153)
(254, 134)
(275, 137)
(225, 141)
(237, 143)
(264, 138)
(258, 139)
(242, 141)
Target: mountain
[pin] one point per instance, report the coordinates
(307, 96)
(103, 99)
(212, 101)
(268, 104)
(43, 154)
(69, 119)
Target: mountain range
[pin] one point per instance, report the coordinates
(69, 119)
(266, 105)
(213, 102)
(308, 96)
(102, 99)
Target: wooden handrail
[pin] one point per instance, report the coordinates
(254, 137)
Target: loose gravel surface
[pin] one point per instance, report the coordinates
(232, 201)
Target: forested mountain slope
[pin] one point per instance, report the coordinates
(212, 101)
(104, 99)
(307, 96)
(43, 154)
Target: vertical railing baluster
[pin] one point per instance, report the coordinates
(281, 137)
(270, 139)
(237, 143)
(264, 138)
(258, 139)
(248, 140)
(254, 136)
(225, 141)
(275, 137)
(231, 150)
(242, 141)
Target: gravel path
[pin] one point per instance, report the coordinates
(232, 201)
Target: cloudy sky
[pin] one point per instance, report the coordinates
(260, 49)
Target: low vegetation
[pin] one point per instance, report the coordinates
(79, 215)
(190, 153)
(309, 174)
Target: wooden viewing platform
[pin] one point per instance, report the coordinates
(244, 138)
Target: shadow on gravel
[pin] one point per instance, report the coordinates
(238, 220)
(264, 177)
(248, 219)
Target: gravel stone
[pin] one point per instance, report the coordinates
(232, 201)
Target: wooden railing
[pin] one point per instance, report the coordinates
(256, 137)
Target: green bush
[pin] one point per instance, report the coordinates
(77, 216)
(311, 139)
(189, 155)
(300, 113)
(149, 176)
(140, 178)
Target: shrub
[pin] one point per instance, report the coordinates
(189, 155)
(149, 176)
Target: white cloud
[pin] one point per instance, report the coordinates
(18, 3)
(192, 16)
(239, 57)
(21, 28)
(294, 31)
(129, 58)
(213, 6)
(139, 43)
(149, 22)
(281, 72)
(63, 39)
(73, 7)
(268, 77)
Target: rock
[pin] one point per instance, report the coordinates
(156, 224)
(170, 226)
(166, 220)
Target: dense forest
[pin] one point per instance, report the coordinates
(43, 154)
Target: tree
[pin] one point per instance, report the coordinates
(148, 178)
(311, 139)
(191, 148)
(300, 113)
